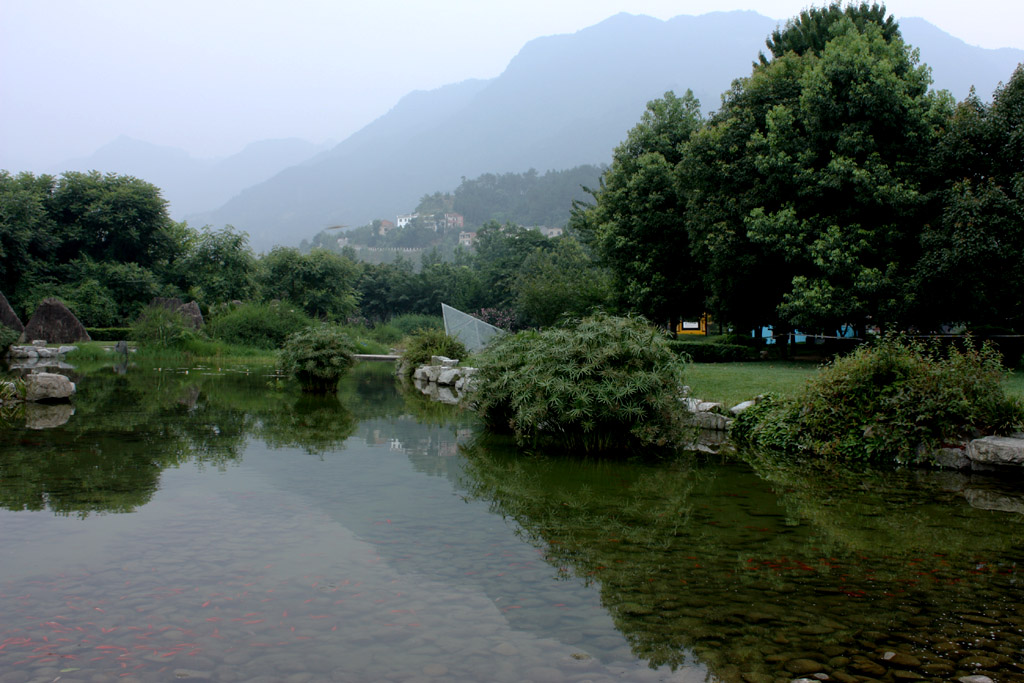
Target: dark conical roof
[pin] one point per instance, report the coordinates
(56, 324)
(8, 318)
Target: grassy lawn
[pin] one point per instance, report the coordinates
(732, 383)
(1015, 385)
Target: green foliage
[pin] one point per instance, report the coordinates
(161, 328)
(712, 352)
(216, 266)
(500, 253)
(562, 282)
(109, 333)
(424, 343)
(771, 426)
(806, 191)
(602, 384)
(892, 402)
(410, 322)
(7, 337)
(524, 198)
(812, 29)
(321, 283)
(636, 225)
(265, 326)
(969, 271)
(318, 357)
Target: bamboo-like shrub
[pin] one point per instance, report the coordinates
(600, 384)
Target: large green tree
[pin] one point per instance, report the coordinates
(322, 283)
(636, 224)
(970, 270)
(806, 190)
(103, 243)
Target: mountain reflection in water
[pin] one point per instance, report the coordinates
(373, 535)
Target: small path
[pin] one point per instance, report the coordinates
(376, 357)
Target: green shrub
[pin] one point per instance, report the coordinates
(892, 402)
(601, 384)
(407, 323)
(264, 326)
(7, 337)
(423, 344)
(162, 328)
(771, 425)
(318, 357)
(109, 333)
(713, 352)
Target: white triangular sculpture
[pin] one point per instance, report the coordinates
(472, 332)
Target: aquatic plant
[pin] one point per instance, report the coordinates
(317, 357)
(603, 383)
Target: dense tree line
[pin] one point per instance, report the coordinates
(832, 187)
(105, 245)
(524, 198)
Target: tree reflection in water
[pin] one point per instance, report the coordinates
(789, 574)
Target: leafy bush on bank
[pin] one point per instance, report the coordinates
(161, 328)
(264, 326)
(604, 383)
(892, 402)
(424, 343)
(318, 357)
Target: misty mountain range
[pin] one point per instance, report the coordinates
(563, 101)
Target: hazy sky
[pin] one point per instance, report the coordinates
(209, 76)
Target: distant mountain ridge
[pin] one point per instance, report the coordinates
(192, 185)
(563, 101)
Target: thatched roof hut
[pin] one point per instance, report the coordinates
(53, 322)
(8, 318)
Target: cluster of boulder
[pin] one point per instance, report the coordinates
(51, 321)
(443, 380)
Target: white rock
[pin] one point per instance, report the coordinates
(40, 386)
(710, 407)
(443, 361)
(448, 376)
(997, 450)
(740, 407)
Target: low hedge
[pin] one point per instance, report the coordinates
(712, 352)
(109, 333)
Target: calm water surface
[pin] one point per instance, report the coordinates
(205, 524)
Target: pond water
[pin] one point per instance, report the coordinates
(208, 524)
